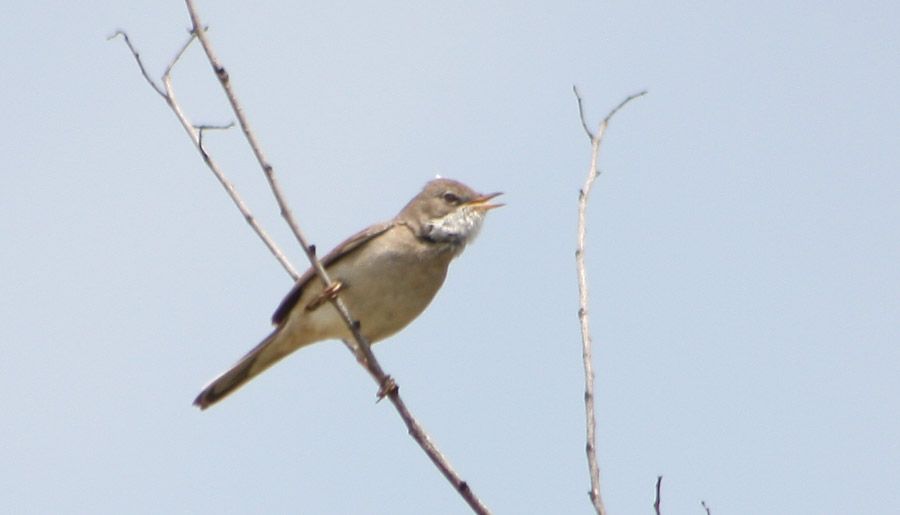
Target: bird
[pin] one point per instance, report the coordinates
(386, 275)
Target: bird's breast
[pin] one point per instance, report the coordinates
(391, 281)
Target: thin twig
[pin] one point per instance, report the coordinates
(140, 63)
(581, 115)
(706, 507)
(212, 127)
(168, 94)
(207, 127)
(656, 500)
(586, 342)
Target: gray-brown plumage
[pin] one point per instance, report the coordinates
(388, 273)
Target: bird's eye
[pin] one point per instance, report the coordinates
(450, 198)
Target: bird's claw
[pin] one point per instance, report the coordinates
(388, 387)
(326, 295)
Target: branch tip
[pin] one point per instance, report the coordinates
(622, 104)
(581, 115)
(656, 501)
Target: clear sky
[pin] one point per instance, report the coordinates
(743, 254)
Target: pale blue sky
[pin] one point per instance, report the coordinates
(743, 249)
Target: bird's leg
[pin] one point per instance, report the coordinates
(326, 295)
(388, 387)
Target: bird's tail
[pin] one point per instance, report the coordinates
(263, 356)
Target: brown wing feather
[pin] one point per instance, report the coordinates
(343, 249)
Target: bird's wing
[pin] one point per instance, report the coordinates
(278, 344)
(342, 250)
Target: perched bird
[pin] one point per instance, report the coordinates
(387, 275)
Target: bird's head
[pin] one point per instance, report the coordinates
(448, 211)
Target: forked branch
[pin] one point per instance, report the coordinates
(583, 298)
(167, 92)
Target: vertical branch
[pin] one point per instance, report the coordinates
(656, 501)
(583, 298)
(586, 341)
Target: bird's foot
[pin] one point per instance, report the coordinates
(388, 387)
(327, 295)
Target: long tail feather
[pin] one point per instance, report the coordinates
(263, 356)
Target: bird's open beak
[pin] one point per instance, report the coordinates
(481, 203)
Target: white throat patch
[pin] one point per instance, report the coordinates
(459, 227)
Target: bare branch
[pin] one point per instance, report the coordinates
(616, 109)
(706, 507)
(168, 94)
(140, 63)
(656, 500)
(211, 127)
(207, 127)
(225, 80)
(584, 124)
(586, 342)
(178, 55)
